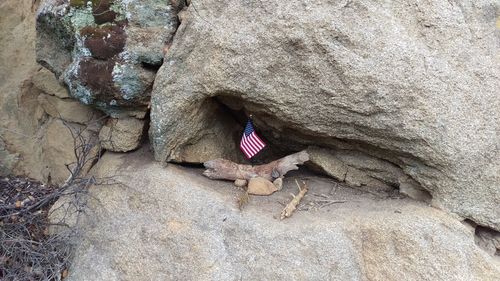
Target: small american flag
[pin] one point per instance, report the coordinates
(250, 143)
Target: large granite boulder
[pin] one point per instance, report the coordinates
(412, 83)
(171, 223)
(106, 51)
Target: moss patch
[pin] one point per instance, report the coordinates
(82, 3)
(77, 3)
(104, 42)
(96, 75)
(103, 12)
(101, 9)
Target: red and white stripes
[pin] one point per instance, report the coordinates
(251, 144)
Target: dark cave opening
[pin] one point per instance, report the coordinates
(152, 67)
(487, 239)
(239, 111)
(365, 167)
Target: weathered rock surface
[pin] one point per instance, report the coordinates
(36, 111)
(488, 240)
(20, 115)
(121, 135)
(69, 109)
(8, 160)
(58, 149)
(173, 224)
(362, 171)
(240, 183)
(106, 51)
(47, 82)
(278, 183)
(38, 140)
(413, 83)
(261, 186)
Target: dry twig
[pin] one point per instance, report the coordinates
(290, 207)
(27, 250)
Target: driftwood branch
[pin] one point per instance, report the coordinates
(228, 170)
(290, 207)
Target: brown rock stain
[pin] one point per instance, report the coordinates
(104, 42)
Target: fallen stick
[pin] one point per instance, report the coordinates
(328, 203)
(228, 170)
(290, 207)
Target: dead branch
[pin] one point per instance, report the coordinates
(290, 207)
(28, 251)
(228, 170)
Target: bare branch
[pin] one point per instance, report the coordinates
(27, 250)
(228, 170)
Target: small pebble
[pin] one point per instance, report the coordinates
(240, 182)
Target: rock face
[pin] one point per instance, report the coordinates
(45, 81)
(189, 228)
(36, 112)
(39, 118)
(415, 84)
(39, 130)
(107, 52)
(9, 160)
(16, 64)
(33, 141)
(58, 148)
(488, 240)
(121, 135)
(68, 109)
(362, 171)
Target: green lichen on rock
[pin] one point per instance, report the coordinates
(80, 18)
(120, 9)
(59, 28)
(150, 13)
(128, 79)
(113, 48)
(83, 94)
